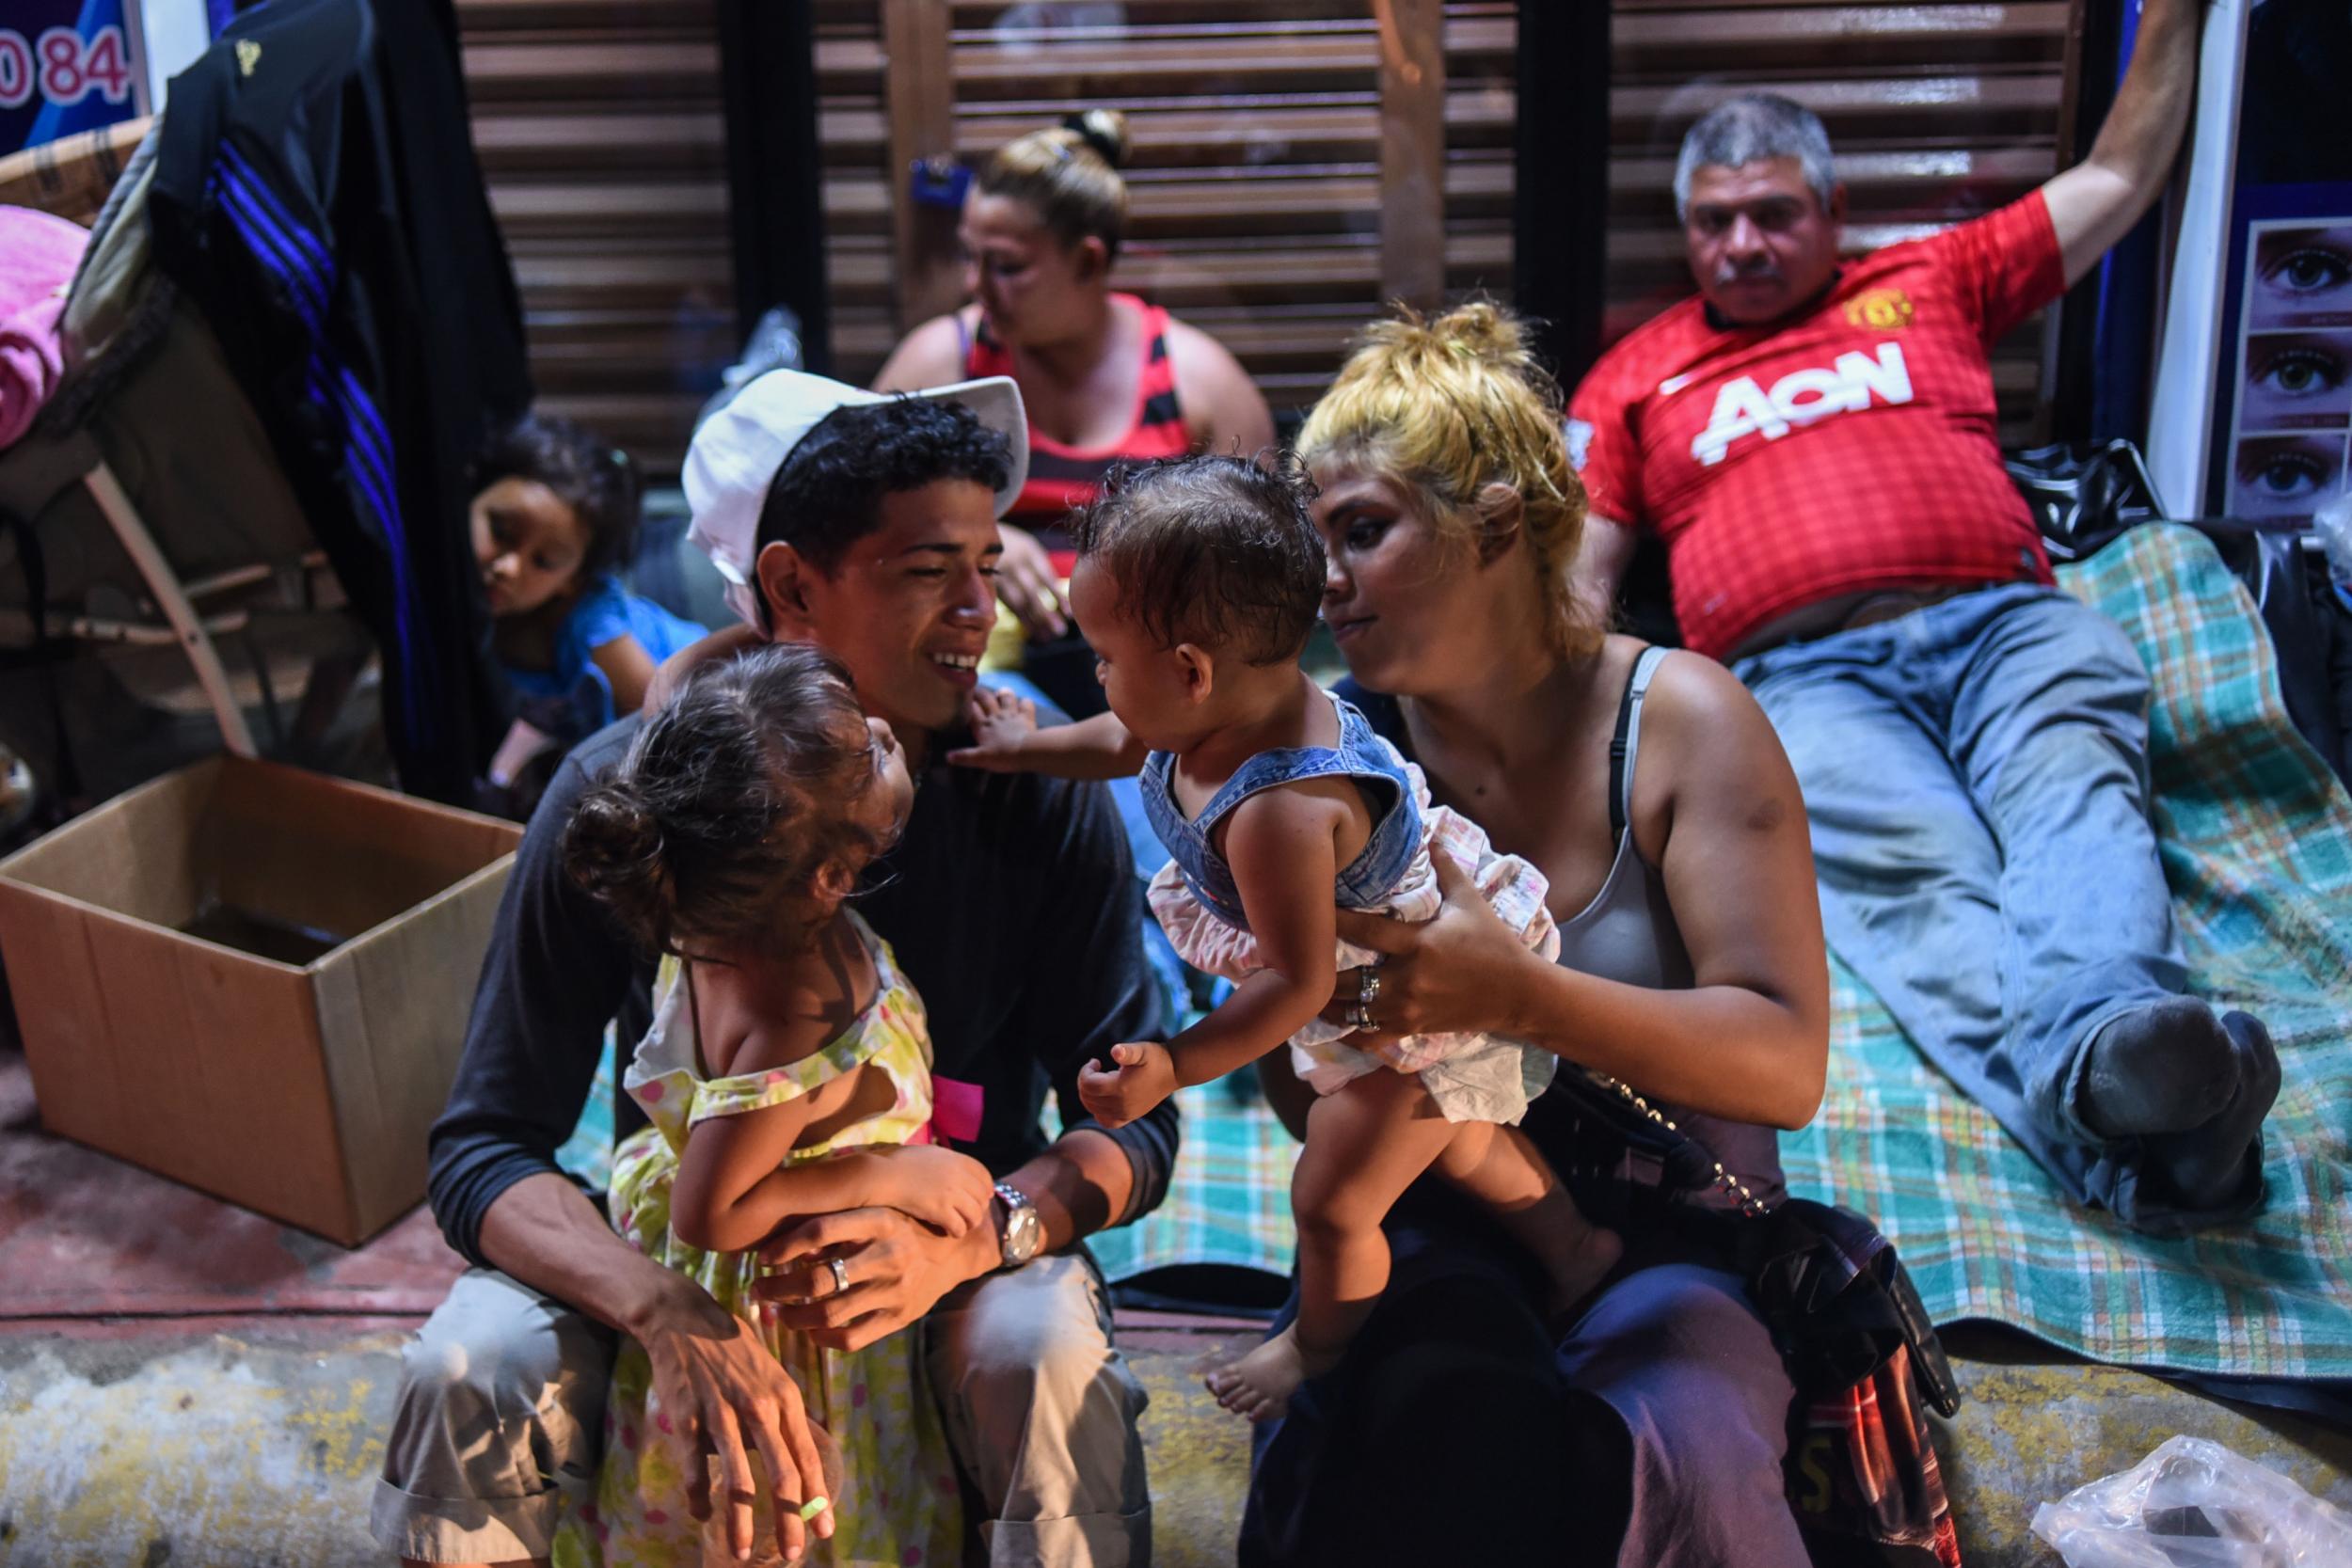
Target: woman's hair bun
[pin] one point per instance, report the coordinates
(1482, 331)
(1104, 130)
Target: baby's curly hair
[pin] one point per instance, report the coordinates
(1216, 551)
(731, 802)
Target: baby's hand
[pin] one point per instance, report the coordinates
(1142, 1075)
(1001, 722)
(947, 1191)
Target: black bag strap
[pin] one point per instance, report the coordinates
(1826, 1279)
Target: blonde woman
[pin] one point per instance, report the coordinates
(1692, 968)
(1105, 376)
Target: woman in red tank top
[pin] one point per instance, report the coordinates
(1105, 376)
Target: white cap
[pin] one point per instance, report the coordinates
(740, 450)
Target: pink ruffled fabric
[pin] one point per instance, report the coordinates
(37, 255)
(1473, 1077)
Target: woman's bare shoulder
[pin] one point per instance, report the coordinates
(1703, 738)
(930, 356)
(1695, 693)
(1221, 401)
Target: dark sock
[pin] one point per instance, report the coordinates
(2217, 1166)
(2159, 1069)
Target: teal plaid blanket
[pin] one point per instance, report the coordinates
(1227, 1202)
(2257, 842)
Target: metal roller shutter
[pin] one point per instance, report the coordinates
(599, 128)
(1258, 135)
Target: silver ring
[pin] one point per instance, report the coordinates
(840, 1274)
(1360, 1016)
(1367, 985)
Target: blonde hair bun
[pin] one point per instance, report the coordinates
(1485, 332)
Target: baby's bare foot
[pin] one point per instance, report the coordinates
(1260, 1385)
(1583, 1275)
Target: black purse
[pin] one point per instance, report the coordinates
(1861, 1474)
(1827, 1282)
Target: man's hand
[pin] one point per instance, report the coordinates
(716, 1389)
(1457, 973)
(1141, 1075)
(1025, 581)
(894, 1269)
(1002, 723)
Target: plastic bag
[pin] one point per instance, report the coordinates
(2195, 1504)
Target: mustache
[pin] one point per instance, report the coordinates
(1755, 272)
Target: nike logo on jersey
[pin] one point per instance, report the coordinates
(1743, 407)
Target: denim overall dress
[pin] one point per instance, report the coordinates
(1471, 1077)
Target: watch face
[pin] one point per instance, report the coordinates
(1024, 1231)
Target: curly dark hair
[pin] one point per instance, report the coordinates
(1211, 551)
(827, 495)
(596, 479)
(731, 800)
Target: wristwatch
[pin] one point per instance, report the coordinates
(1019, 1231)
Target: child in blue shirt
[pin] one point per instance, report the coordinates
(554, 516)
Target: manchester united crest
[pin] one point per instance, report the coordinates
(1880, 309)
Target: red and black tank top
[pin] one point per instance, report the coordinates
(1062, 477)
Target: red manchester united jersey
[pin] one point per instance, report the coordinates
(1849, 450)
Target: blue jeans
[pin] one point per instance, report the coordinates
(1977, 777)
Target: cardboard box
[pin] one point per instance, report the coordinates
(300, 1085)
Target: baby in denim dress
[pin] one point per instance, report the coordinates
(1197, 584)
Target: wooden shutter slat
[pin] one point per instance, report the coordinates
(602, 139)
(1256, 168)
(1937, 112)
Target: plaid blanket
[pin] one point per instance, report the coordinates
(1228, 1201)
(2257, 843)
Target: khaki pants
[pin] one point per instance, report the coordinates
(501, 1415)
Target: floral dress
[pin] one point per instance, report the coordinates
(899, 1503)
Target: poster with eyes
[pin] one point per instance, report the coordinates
(2293, 419)
(2283, 409)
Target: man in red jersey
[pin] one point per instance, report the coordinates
(1813, 440)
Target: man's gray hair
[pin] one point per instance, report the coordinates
(1750, 129)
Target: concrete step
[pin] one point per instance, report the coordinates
(246, 1443)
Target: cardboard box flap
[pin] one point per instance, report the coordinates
(213, 1072)
(393, 1013)
(137, 855)
(333, 856)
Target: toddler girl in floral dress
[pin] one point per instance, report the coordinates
(786, 1055)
